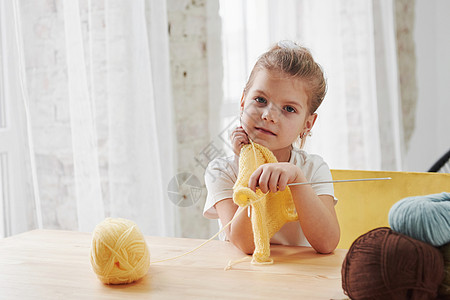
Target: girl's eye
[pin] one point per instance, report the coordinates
(260, 100)
(290, 109)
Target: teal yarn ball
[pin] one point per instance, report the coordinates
(425, 218)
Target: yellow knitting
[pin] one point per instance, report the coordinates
(269, 211)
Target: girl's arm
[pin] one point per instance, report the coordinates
(240, 232)
(316, 214)
(317, 218)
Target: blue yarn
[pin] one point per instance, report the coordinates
(425, 218)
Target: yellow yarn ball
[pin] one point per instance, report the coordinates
(119, 253)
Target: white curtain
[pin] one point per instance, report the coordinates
(359, 124)
(100, 121)
(19, 194)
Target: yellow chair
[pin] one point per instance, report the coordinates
(363, 206)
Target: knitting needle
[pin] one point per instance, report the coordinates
(333, 181)
(339, 181)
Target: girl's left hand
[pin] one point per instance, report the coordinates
(274, 177)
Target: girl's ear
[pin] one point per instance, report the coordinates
(242, 102)
(309, 122)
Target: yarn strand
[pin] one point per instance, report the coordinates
(234, 262)
(212, 238)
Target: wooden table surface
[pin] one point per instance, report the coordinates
(51, 264)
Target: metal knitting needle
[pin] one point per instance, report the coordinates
(334, 181)
(339, 181)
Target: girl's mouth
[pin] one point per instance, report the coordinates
(265, 131)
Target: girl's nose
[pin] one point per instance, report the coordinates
(270, 113)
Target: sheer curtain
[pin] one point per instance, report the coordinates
(100, 122)
(19, 194)
(359, 124)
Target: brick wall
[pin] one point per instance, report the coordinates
(189, 64)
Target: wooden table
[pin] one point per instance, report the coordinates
(49, 264)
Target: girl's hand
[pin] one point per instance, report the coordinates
(275, 177)
(239, 138)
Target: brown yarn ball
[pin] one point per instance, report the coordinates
(444, 289)
(383, 264)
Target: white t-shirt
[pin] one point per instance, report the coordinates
(222, 173)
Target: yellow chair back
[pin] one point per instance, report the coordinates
(363, 206)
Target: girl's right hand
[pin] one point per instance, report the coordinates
(239, 138)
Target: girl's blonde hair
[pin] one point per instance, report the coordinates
(294, 60)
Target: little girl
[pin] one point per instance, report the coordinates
(285, 88)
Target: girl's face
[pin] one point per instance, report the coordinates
(275, 111)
